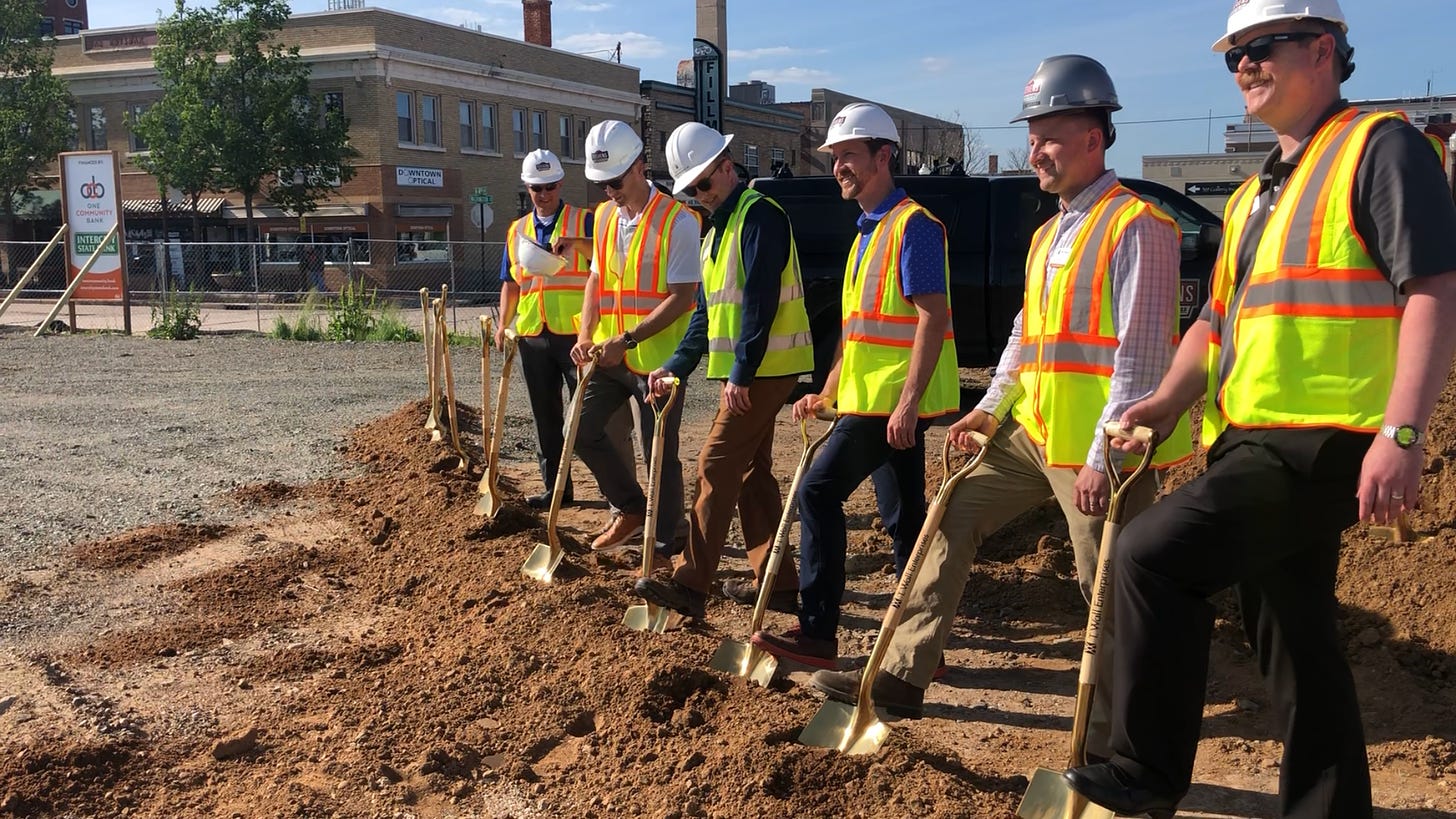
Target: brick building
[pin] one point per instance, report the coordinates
(764, 137)
(60, 17)
(924, 140)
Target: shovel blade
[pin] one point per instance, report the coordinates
(746, 661)
(648, 617)
(1050, 797)
(542, 563)
(836, 726)
(487, 504)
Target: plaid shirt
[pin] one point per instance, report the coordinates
(1145, 290)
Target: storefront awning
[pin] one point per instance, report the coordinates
(342, 211)
(206, 206)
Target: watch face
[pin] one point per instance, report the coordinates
(1405, 435)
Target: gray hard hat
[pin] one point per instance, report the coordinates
(1067, 82)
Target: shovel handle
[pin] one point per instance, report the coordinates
(563, 470)
(654, 472)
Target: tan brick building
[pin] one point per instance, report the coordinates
(763, 136)
(923, 139)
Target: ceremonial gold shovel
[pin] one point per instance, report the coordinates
(650, 616)
(1048, 796)
(432, 375)
(544, 559)
(745, 659)
(489, 502)
(857, 729)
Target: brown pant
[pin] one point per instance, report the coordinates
(735, 470)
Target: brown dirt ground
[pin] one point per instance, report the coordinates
(366, 647)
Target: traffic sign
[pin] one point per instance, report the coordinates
(482, 198)
(481, 215)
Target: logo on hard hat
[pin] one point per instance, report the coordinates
(600, 156)
(1033, 87)
(543, 166)
(839, 120)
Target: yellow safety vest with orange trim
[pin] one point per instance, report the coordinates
(552, 303)
(1069, 339)
(879, 328)
(1308, 338)
(630, 287)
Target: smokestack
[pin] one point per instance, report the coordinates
(538, 21)
(713, 24)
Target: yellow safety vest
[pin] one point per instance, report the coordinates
(555, 302)
(1068, 339)
(629, 288)
(790, 346)
(1308, 339)
(879, 328)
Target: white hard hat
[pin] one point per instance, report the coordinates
(860, 120)
(611, 148)
(541, 167)
(1247, 14)
(537, 259)
(691, 148)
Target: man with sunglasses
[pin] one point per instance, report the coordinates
(1321, 351)
(639, 297)
(753, 327)
(895, 371)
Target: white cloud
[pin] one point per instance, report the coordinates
(792, 75)
(771, 51)
(635, 45)
(471, 19)
(590, 8)
(935, 65)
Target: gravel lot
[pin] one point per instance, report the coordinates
(101, 433)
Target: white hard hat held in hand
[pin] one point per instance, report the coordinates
(1247, 14)
(611, 148)
(541, 167)
(860, 120)
(691, 148)
(537, 259)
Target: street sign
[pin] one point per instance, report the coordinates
(480, 190)
(1211, 188)
(482, 199)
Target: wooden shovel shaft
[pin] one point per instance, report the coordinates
(563, 471)
(498, 425)
(654, 476)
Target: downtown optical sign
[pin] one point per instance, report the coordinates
(91, 204)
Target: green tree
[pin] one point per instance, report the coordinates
(34, 121)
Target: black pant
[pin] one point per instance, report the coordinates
(1265, 517)
(545, 366)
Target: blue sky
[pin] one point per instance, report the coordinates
(965, 61)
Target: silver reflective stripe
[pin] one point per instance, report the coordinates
(775, 343)
(1078, 316)
(1302, 213)
(861, 326)
(1075, 352)
(1320, 292)
(786, 294)
(630, 303)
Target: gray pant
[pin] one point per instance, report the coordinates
(612, 389)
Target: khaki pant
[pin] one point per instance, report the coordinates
(735, 471)
(1013, 478)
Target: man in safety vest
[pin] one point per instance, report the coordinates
(545, 310)
(755, 331)
(1321, 351)
(1096, 333)
(641, 291)
(896, 371)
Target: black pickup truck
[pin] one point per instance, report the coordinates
(989, 223)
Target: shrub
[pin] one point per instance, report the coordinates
(352, 316)
(303, 327)
(176, 315)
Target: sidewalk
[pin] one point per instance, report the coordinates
(26, 314)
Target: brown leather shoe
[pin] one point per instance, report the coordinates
(744, 591)
(622, 532)
(899, 698)
(793, 645)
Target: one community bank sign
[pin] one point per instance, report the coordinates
(92, 204)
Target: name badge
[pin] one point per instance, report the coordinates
(1059, 256)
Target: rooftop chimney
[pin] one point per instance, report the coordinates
(538, 21)
(713, 23)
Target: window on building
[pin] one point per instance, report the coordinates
(538, 129)
(46, 27)
(487, 128)
(137, 143)
(816, 111)
(750, 160)
(404, 114)
(421, 246)
(71, 26)
(429, 120)
(334, 102)
(467, 125)
(518, 130)
(96, 132)
(777, 157)
(582, 126)
(73, 128)
(566, 137)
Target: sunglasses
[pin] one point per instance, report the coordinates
(1260, 49)
(543, 188)
(702, 185)
(614, 184)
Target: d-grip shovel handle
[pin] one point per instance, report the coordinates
(654, 473)
(1146, 436)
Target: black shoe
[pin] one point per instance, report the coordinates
(543, 500)
(899, 698)
(1108, 786)
(745, 592)
(672, 595)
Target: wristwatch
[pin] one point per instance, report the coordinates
(628, 340)
(1405, 436)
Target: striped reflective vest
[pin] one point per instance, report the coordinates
(790, 347)
(631, 286)
(1308, 338)
(1069, 340)
(552, 303)
(879, 328)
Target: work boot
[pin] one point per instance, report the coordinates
(899, 698)
(671, 594)
(794, 645)
(745, 592)
(543, 500)
(941, 669)
(660, 563)
(623, 530)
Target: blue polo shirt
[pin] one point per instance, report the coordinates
(543, 235)
(922, 257)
